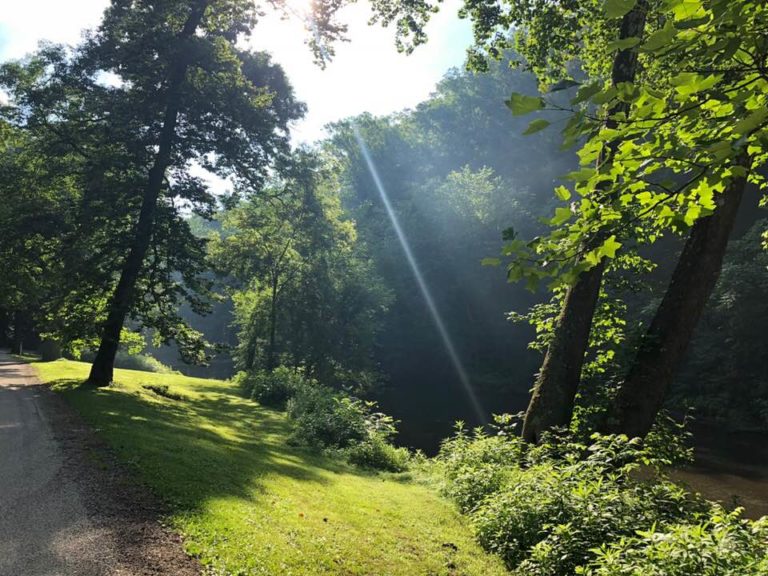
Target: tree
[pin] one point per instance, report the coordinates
(693, 133)
(38, 196)
(304, 290)
(552, 34)
(738, 93)
(724, 378)
(201, 97)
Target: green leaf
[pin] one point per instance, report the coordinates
(586, 92)
(609, 247)
(692, 214)
(687, 83)
(605, 96)
(581, 175)
(520, 104)
(563, 85)
(562, 215)
(536, 126)
(660, 39)
(623, 44)
(751, 122)
(618, 8)
(490, 261)
(563, 193)
(691, 23)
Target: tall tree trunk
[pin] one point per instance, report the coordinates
(557, 383)
(123, 297)
(663, 347)
(4, 325)
(21, 332)
(271, 351)
(558, 380)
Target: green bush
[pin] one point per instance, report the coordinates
(545, 509)
(476, 465)
(332, 420)
(325, 419)
(547, 520)
(141, 362)
(273, 388)
(376, 453)
(721, 544)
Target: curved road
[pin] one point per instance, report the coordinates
(46, 526)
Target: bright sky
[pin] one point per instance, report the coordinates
(367, 74)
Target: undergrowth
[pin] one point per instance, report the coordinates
(602, 507)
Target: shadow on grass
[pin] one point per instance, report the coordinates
(199, 448)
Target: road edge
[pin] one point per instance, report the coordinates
(115, 499)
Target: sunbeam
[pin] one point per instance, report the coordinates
(423, 287)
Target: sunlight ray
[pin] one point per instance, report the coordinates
(437, 318)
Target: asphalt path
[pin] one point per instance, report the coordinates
(58, 516)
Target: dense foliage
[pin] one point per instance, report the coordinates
(327, 419)
(602, 507)
(304, 289)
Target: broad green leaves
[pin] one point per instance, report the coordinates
(520, 104)
(618, 8)
(655, 152)
(587, 92)
(623, 44)
(563, 193)
(688, 83)
(660, 39)
(536, 126)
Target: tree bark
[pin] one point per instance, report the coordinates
(663, 347)
(123, 297)
(557, 383)
(558, 380)
(21, 332)
(271, 352)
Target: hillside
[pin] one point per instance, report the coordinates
(247, 502)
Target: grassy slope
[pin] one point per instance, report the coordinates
(250, 504)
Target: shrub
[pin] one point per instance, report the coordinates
(476, 465)
(376, 453)
(141, 362)
(325, 419)
(332, 420)
(547, 519)
(720, 544)
(273, 388)
(545, 509)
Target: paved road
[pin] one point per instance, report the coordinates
(45, 529)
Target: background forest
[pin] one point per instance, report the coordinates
(459, 172)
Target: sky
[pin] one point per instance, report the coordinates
(367, 73)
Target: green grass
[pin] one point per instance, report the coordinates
(248, 503)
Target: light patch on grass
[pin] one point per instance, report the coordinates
(248, 503)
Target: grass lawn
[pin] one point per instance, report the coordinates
(248, 503)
